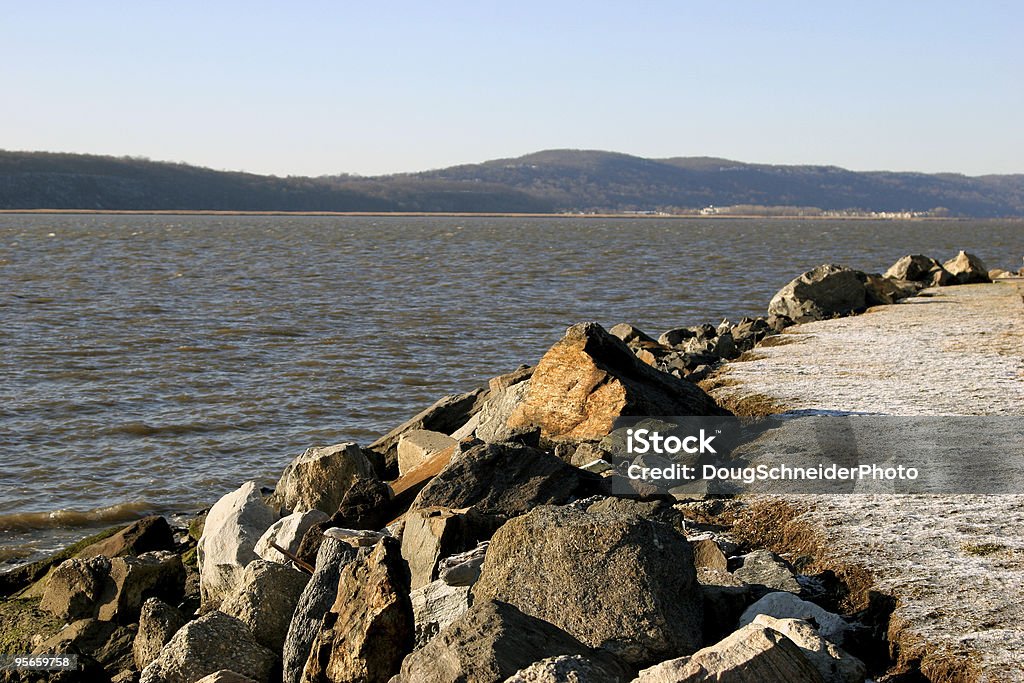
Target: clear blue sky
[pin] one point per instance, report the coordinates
(373, 87)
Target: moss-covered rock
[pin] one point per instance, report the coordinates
(21, 622)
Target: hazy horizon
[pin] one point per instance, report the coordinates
(319, 88)
(480, 161)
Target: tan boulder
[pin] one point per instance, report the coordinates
(753, 654)
(320, 477)
(967, 269)
(590, 378)
(369, 629)
(416, 446)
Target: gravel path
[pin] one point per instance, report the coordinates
(954, 564)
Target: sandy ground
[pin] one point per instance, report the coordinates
(954, 563)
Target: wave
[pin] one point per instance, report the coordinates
(122, 512)
(143, 429)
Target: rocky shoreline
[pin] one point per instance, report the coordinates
(481, 541)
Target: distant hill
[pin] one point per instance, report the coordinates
(549, 181)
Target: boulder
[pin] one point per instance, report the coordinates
(265, 599)
(434, 606)
(369, 629)
(103, 648)
(488, 643)
(211, 643)
(567, 566)
(825, 292)
(287, 533)
(676, 336)
(590, 378)
(444, 416)
(914, 268)
(432, 534)
(417, 445)
(319, 478)
(76, 587)
(569, 669)
(23, 623)
(784, 605)
(145, 535)
(967, 269)
(505, 480)
(629, 334)
(765, 568)
(833, 663)
(707, 554)
(158, 622)
(133, 580)
(753, 654)
(318, 596)
(233, 527)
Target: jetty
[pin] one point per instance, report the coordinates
(494, 537)
(951, 565)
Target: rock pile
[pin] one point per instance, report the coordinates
(475, 542)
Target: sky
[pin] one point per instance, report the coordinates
(315, 88)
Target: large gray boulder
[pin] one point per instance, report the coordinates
(825, 292)
(914, 268)
(314, 602)
(784, 605)
(369, 628)
(75, 588)
(265, 599)
(234, 525)
(207, 645)
(967, 269)
(590, 378)
(158, 622)
(833, 663)
(113, 589)
(287, 533)
(753, 654)
(104, 649)
(158, 574)
(567, 566)
(320, 477)
(488, 643)
(765, 568)
(505, 480)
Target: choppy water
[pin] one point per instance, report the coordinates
(151, 363)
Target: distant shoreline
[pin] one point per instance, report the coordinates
(446, 214)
